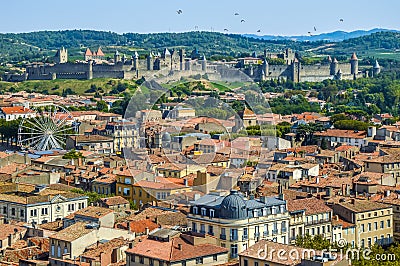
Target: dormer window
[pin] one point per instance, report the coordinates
(273, 210)
(195, 210)
(212, 213)
(203, 211)
(255, 213)
(264, 211)
(283, 208)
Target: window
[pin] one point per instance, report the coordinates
(52, 250)
(215, 257)
(127, 191)
(375, 225)
(141, 260)
(5, 210)
(195, 210)
(199, 260)
(160, 263)
(234, 251)
(388, 223)
(65, 250)
(45, 211)
(245, 262)
(151, 262)
(34, 213)
(203, 212)
(128, 181)
(13, 211)
(212, 212)
(71, 207)
(194, 228)
(362, 228)
(369, 227)
(21, 213)
(382, 224)
(58, 251)
(210, 230)
(133, 258)
(202, 228)
(256, 263)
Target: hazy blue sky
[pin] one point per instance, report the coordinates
(271, 17)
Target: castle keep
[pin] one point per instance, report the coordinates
(95, 65)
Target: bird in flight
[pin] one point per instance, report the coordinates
(236, 14)
(315, 29)
(341, 20)
(179, 11)
(243, 21)
(259, 31)
(225, 29)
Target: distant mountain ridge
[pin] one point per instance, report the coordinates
(336, 36)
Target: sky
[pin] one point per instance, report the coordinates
(289, 17)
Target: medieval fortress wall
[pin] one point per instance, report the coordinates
(175, 62)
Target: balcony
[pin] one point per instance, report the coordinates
(320, 221)
(223, 237)
(233, 238)
(275, 232)
(211, 233)
(202, 232)
(266, 233)
(256, 235)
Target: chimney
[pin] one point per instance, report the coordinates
(128, 224)
(387, 193)
(180, 246)
(317, 180)
(281, 196)
(147, 231)
(353, 201)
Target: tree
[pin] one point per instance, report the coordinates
(73, 154)
(102, 106)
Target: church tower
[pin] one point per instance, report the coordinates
(61, 56)
(150, 62)
(117, 57)
(204, 63)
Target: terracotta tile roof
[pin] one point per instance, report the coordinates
(169, 251)
(9, 229)
(107, 179)
(91, 138)
(139, 227)
(342, 133)
(72, 232)
(336, 220)
(15, 110)
(116, 200)
(108, 247)
(363, 205)
(93, 212)
(310, 205)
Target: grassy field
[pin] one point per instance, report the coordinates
(57, 86)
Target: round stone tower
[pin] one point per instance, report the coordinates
(376, 69)
(354, 64)
(334, 67)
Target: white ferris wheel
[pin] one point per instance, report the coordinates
(45, 128)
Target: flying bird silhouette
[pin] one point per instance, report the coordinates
(236, 14)
(179, 11)
(259, 31)
(315, 29)
(341, 20)
(243, 21)
(225, 29)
